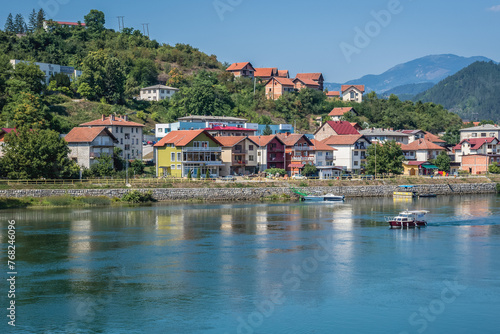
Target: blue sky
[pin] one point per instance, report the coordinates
(342, 39)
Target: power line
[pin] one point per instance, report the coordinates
(144, 27)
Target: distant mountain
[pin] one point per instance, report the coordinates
(473, 93)
(425, 70)
(407, 92)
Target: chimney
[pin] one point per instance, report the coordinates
(125, 118)
(112, 117)
(103, 117)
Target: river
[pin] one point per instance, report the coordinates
(257, 268)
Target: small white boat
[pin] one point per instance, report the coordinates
(324, 198)
(408, 219)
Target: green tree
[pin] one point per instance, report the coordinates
(32, 154)
(19, 24)
(144, 72)
(494, 168)
(5, 73)
(267, 131)
(442, 161)
(207, 174)
(198, 173)
(9, 24)
(118, 161)
(103, 166)
(60, 82)
(32, 22)
(385, 158)
(94, 22)
(26, 77)
(137, 166)
(274, 171)
(40, 18)
(26, 111)
(309, 170)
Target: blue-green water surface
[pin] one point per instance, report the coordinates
(257, 268)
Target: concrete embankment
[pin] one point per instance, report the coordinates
(243, 194)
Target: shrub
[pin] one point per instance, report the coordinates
(135, 196)
(95, 200)
(273, 171)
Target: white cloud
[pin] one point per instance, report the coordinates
(494, 8)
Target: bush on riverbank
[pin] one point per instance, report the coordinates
(136, 196)
(13, 203)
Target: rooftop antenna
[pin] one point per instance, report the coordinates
(121, 23)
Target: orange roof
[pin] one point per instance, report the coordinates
(340, 111)
(230, 141)
(265, 72)
(361, 88)
(238, 66)
(320, 146)
(433, 138)
(333, 94)
(283, 73)
(291, 139)
(421, 144)
(183, 137)
(310, 76)
(342, 140)
(282, 81)
(111, 120)
(264, 140)
(307, 82)
(86, 134)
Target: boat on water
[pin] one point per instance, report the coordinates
(410, 191)
(324, 198)
(408, 219)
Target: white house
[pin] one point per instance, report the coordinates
(88, 144)
(472, 146)
(353, 93)
(157, 93)
(350, 150)
(481, 131)
(421, 150)
(127, 133)
(52, 69)
(384, 135)
(324, 160)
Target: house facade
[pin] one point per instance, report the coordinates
(298, 152)
(182, 152)
(478, 163)
(276, 87)
(157, 93)
(86, 145)
(239, 155)
(481, 131)
(350, 151)
(384, 135)
(421, 150)
(244, 69)
(52, 69)
(305, 83)
(474, 146)
(264, 74)
(128, 134)
(337, 114)
(418, 168)
(317, 77)
(270, 152)
(353, 93)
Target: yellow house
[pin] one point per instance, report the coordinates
(188, 150)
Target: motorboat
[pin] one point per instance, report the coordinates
(408, 219)
(405, 191)
(324, 198)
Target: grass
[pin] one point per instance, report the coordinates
(54, 201)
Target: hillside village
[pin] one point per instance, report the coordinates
(212, 144)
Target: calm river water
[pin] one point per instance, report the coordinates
(257, 268)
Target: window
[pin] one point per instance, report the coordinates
(483, 134)
(492, 134)
(258, 154)
(179, 156)
(356, 153)
(121, 130)
(250, 158)
(320, 154)
(353, 94)
(172, 166)
(172, 156)
(127, 147)
(137, 141)
(474, 135)
(355, 163)
(116, 129)
(121, 141)
(179, 167)
(489, 146)
(250, 147)
(127, 136)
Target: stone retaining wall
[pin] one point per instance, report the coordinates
(242, 194)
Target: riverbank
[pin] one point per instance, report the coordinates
(86, 196)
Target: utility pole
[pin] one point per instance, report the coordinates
(145, 26)
(254, 80)
(375, 160)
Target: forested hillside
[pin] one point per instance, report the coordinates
(116, 65)
(473, 93)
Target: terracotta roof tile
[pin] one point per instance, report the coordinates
(230, 141)
(421, 144)
(107, 121)
(282, 81)
(320, 146)
(333, 94)
(86, 134)
(265, 72)
(307, 82)
(310, 76)
(182, 137)
(238, 66)
(283, 73)
(361, 88)
(433, 138)
(340, 111)
(264, 140)
(342, 140)
(475, 143)
(292, 138)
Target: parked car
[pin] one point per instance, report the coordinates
(346, 177)
(299, 177)
(228, 178)
(367, 177)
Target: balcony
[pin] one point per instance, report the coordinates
(276, 159)
(201, 149)
(330, 158)
(239, 162)
(94, 155)
(301, 148)
(239, 152)
(302, 158)
(276, 149)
